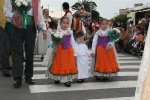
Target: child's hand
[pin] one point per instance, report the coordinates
(92, 55)
(75, 57)
(107, 47)
(54, 47)
(132, 45)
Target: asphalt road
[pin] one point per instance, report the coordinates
(121, 87)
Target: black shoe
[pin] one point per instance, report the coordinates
(41, 58)
(79, 81)
(57, 82)
(24, 59)
(29, 80)
(6, 75)
(17, 84)
(106, 79)
(9, 68)
(97, 78)
(67, 84)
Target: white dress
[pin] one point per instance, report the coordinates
(43, 44)
(82, 61)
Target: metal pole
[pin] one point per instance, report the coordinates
(48, 7)
(91, 10)
(61, 9)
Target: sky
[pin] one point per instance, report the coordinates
(106, 8)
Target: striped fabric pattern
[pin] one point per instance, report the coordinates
(18, 38)
(4, 50)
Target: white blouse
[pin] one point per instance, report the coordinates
(9, 13)
(69, 15)
(46, 21)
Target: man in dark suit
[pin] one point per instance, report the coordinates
(146, 25)
(4, 43)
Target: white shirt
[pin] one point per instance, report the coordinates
(69, 15)
(83, 28)
(9, 13)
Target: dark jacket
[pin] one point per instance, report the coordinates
(115, 25)
(146, 25)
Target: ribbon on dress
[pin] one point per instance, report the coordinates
(51, 45)
(111, 37)
(25, 21)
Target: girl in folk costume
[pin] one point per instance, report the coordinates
(82, 57)
(63, 68)
(68, 13)
(106, 61)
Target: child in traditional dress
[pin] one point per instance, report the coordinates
(106, 61)
(82, 57)
(63, 68)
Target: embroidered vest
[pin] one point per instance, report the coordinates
(66, 42)
(103, 41)
(77, 24)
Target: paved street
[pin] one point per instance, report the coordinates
(121, 87)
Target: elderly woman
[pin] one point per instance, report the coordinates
(41, 46)
(49, 21)
(123, 39)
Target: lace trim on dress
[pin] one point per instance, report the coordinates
(66, 32)
(99, 33)
(105, 74)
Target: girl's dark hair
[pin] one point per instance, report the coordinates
(102, 19)
(64, 17)
(79, 34)
(138, 27)
(65, 5)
